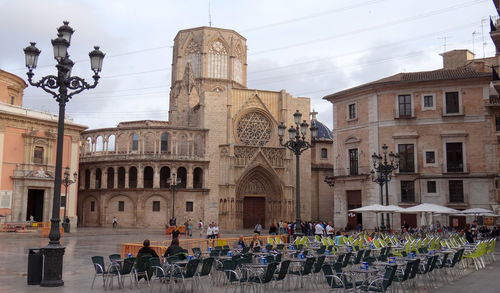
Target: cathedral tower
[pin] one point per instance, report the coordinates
(204, 59)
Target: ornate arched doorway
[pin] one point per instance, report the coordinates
(259, 197)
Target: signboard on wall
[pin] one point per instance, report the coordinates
(5, 199)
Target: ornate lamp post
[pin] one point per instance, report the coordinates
(383, 169)
(173, 182)
(67, 87)
(67, 182)
(297, 144)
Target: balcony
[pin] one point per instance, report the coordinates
(494, 101)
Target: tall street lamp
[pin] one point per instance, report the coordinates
(173, 182)
(67, 182)
(297, 144)
(67, 87)
(383, 169)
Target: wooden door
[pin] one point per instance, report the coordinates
(353, 202)
(411, 220)
(457, 222)
(254, 211)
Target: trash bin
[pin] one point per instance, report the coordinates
(35, 264)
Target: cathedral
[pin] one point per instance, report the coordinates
(217, 158)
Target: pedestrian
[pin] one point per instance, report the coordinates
(190, 227)
(115, 222)
(200, 227)
(215, 231)
(258, 228)
(272, 229)
(186, 228)
(209, 231)
(329, 230)
(319, 230)
(281, 227)
(175, 233)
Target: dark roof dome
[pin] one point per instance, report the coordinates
(324, 133)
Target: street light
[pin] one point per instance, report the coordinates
(67, 87)
(297, 144)
(67, 182)
(383, 171)
(173, 182)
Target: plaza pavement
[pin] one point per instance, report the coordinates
(86, 242)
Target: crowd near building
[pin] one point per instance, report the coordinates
(218, 156)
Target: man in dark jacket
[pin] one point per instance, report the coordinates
(145, 250)
(175, 249)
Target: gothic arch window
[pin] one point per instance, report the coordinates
(98, 176)
(99, 144)
(111, 178)
(217, 60)
(164, 142)
(132, 177)
(198, 145)
(182, 175)
(164, 175)
(111, 142)
(121, 177)
(183, 145)
(135, 142)
(254, 129)
(87, 179)
(193, 55)
(148, 177)
(198, 178)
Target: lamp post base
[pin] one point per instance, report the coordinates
(52, 266)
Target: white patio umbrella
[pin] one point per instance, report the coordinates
(373, 208)
(489, 215)
(430, 208)
(476, 211)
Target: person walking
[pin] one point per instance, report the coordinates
(200, 227)
(319, 230)
(115, 223)
(258, 228)
(209, 231)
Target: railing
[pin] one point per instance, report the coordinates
(161, 246)
(123, 155)
(361, 170)
(494, 101)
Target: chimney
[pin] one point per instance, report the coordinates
(456, 58)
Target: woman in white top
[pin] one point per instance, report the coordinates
(215, 231)
(209, 231)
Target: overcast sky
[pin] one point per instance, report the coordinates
(310, 48)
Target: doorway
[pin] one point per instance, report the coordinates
(353, 202)
(254, 211)
(35, 205)
(410, 219)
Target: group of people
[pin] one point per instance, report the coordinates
(308, 228)
(212, 231)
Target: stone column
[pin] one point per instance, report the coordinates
(140, 176)
(92, 179)
(126, 177)
(189, 177)
(156, 176)
(115, 181)
(104, 178)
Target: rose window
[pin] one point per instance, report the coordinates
(254, 129)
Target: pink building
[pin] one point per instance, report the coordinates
(28, 154)
(443, 126)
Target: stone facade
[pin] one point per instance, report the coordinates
(440, 122)
(28, 154)
(221, 140)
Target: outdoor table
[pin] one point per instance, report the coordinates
(359, 271)
(386, 263)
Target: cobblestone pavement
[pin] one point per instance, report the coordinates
(86, 242)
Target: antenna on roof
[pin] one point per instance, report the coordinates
(474, 33)
(209, 15)
(444, 42)
(483, 20)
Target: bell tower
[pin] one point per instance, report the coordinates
(204, 59)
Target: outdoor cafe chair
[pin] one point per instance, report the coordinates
(206, 268)
(402, 276)
(121, 272)
(186, 273)
(234, 277)
(158, 272)
(336, 279)
(100, 270)
(317, 268)
(305, 271)
(142, 269)
(266, 278)
(114, 257)
(281, 274)
(378, 283)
